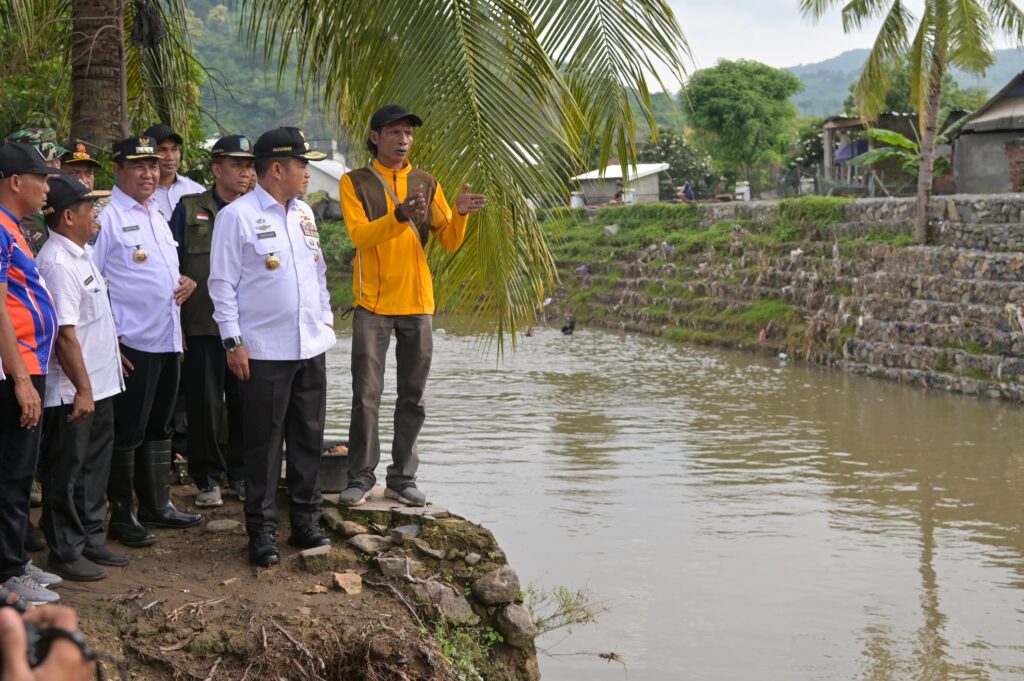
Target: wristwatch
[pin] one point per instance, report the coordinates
(233, 343)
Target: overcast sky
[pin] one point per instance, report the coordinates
(769, 31)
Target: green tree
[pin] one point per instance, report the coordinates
(899, 98)
(740, 111)
(948, 33)
(685, 164)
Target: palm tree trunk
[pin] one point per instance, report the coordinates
(98, 110)
(926, 167)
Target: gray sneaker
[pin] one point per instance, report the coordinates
(31, 591)
(408, 494)
(353, 495)
(47, 579)
(235, 488)
(209, 497)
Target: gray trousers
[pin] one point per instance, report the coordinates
(76, 467)
(371, 335)
(284, 402)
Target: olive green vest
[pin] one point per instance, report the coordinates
(197, 311)
(372, 195)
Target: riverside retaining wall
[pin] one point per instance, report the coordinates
(855, 293)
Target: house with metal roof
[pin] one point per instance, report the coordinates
(609, 185)
(988, 153)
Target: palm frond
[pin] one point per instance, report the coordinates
(856, 12)
(1007, 17)
(607, 48)
(885, 56)
(816, 9)
(494, 104)
(970, 36)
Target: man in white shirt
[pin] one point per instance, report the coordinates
(269, 290)
(83, 377)
(172, 186)
(137, 255)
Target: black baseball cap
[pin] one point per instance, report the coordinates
(237, 146)
(67, 190)
(78, 153)
(18, 158)
(285, 142)
(162, 131)
(134, 148)
(389, 113)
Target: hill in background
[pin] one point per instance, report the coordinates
(827, 83)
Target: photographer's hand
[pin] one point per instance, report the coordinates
(63, 663)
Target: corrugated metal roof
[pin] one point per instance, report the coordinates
(614, 172)
(1006, 114)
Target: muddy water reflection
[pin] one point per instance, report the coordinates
(741, 519)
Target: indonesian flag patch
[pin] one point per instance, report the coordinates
(203, 216)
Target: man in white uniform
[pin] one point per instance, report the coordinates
(137, 255)
(172, 186)
(83, 377)
(269, 290)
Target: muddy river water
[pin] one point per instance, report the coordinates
(738, 517)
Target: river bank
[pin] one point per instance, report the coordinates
(831, 281)
(403, 594)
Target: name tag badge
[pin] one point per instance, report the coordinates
(131, 228)
(89, 280)
(266, 235)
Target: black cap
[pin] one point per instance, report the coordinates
(285, 142)
(78, 153)
(134, 148)
(389, 113)
(238, 146)
(162, 131)
(18, 158)
(67, 190)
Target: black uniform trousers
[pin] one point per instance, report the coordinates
(143, 411)
(75, 472)
(209, 386)
(19, 451)
(284, 402)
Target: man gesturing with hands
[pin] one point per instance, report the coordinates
(391, 209)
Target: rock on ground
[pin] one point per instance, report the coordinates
(516, 625)
(499, 586)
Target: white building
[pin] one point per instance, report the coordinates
(325, 175)
(640, 186)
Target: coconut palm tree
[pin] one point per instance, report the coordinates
(503, 85)
(948, 33)
(129, 60)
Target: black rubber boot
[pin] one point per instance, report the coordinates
(152, 482)
(124, 527)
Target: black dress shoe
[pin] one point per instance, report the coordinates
(308, 538)
(80, 569)
(34, 539)
(263, 551)
(102, 555)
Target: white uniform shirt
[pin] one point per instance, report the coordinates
(281, 313)
(141, 293)
(167, 197)
(80, 296)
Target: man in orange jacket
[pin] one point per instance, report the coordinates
(391, 209)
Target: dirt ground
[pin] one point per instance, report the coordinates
(191, 607)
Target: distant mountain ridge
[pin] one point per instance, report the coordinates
(827, 83)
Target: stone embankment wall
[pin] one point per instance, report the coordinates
(855, 293)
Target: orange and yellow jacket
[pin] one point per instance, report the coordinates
(390, 272)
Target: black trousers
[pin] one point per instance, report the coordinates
(19, 451)
(285, 402)
(209, 386)
(143, 411)
(75, 471)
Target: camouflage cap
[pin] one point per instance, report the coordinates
(44, 139)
